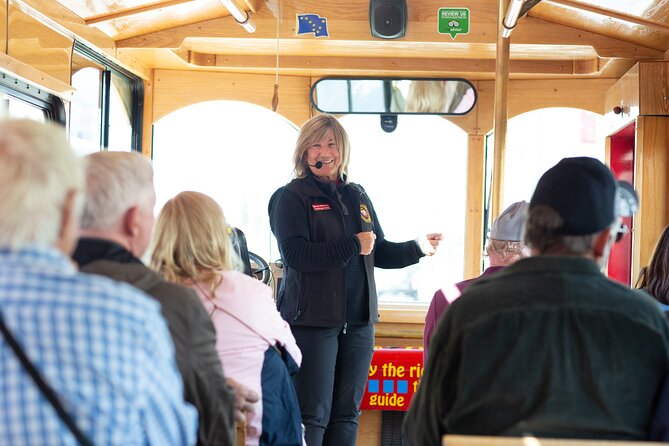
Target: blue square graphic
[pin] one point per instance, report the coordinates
(403, 386)
(388, 386)
(373, 386)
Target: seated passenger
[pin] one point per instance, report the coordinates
(116, 230)
(504, 248)
(654, 278)
(101, 347)
(193, 247)
(549, 346)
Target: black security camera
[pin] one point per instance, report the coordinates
(388, 123)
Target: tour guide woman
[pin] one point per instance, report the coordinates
(330, 241)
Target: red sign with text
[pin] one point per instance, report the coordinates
(393, 378)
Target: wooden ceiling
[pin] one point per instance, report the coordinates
(557, 38)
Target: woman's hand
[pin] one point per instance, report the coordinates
(366, 242)
(428, 244)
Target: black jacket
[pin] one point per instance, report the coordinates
(191, 330)
(315, 248)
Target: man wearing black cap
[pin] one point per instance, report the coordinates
(550, 347)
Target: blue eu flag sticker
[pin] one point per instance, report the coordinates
(312, 23)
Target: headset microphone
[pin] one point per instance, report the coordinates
(319, 164)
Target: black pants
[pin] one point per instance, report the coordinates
(332, 381)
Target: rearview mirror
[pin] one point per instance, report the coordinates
(445, 96)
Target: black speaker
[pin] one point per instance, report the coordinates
(388, 18)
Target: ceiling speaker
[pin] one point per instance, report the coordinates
(388, 18)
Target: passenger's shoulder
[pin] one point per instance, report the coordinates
(105, 293)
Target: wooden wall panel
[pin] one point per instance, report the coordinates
(176, 89)
(624, 93)
(653, 89)
(3, 26)
(35, 44)
(474, 215)
(147, 119)
(652, 165)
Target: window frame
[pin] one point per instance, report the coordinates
(51, 105)
(110, 69)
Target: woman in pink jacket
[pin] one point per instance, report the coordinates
(192, 246)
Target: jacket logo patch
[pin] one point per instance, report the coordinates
(321, 207)
(364, 214)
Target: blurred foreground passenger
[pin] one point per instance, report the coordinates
(549, 346)
(116, 227)
(654, 278)
(504, 248)
(257, 348)
(101, 347)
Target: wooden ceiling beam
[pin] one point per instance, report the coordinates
(614, 14)
(535, 31)
(360, 65)
(133, 11)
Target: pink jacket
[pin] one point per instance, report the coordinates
(242, 349)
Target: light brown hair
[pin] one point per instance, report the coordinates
(192, 240)
(313, 130)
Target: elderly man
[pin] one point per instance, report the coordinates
(503, 249)
(82, 356)
(116, 228)
(550, 347)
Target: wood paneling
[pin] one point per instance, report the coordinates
(176, 89)
(147, 119)
(369, 430)
(654, 88)
(35, 44)
(3, 26)
(49, 83)
(475, 200)
(624, 93)
(652, 186)
(74, 24)
(472, 440)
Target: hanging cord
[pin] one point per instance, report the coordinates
(46, 389)
(275, 96)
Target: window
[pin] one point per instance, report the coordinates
(240, 153)
(235, 152)
(106, 110)
(21, 100)
(536, 141)
(416, 177)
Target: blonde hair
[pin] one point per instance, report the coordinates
(191, 240)
(38, 170)
(313, 130)
(426, 97)
(115, 182)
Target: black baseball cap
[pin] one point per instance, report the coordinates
(584, 193)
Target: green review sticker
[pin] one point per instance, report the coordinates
(453, 21)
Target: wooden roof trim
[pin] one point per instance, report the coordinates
(614, 14)
(132, 11)
(426, 65)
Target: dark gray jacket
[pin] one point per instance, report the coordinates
(193, 336)
(548, 347)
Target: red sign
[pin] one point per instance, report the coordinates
(393, 378)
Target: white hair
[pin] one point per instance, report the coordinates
(37, 171)
(115, 182)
